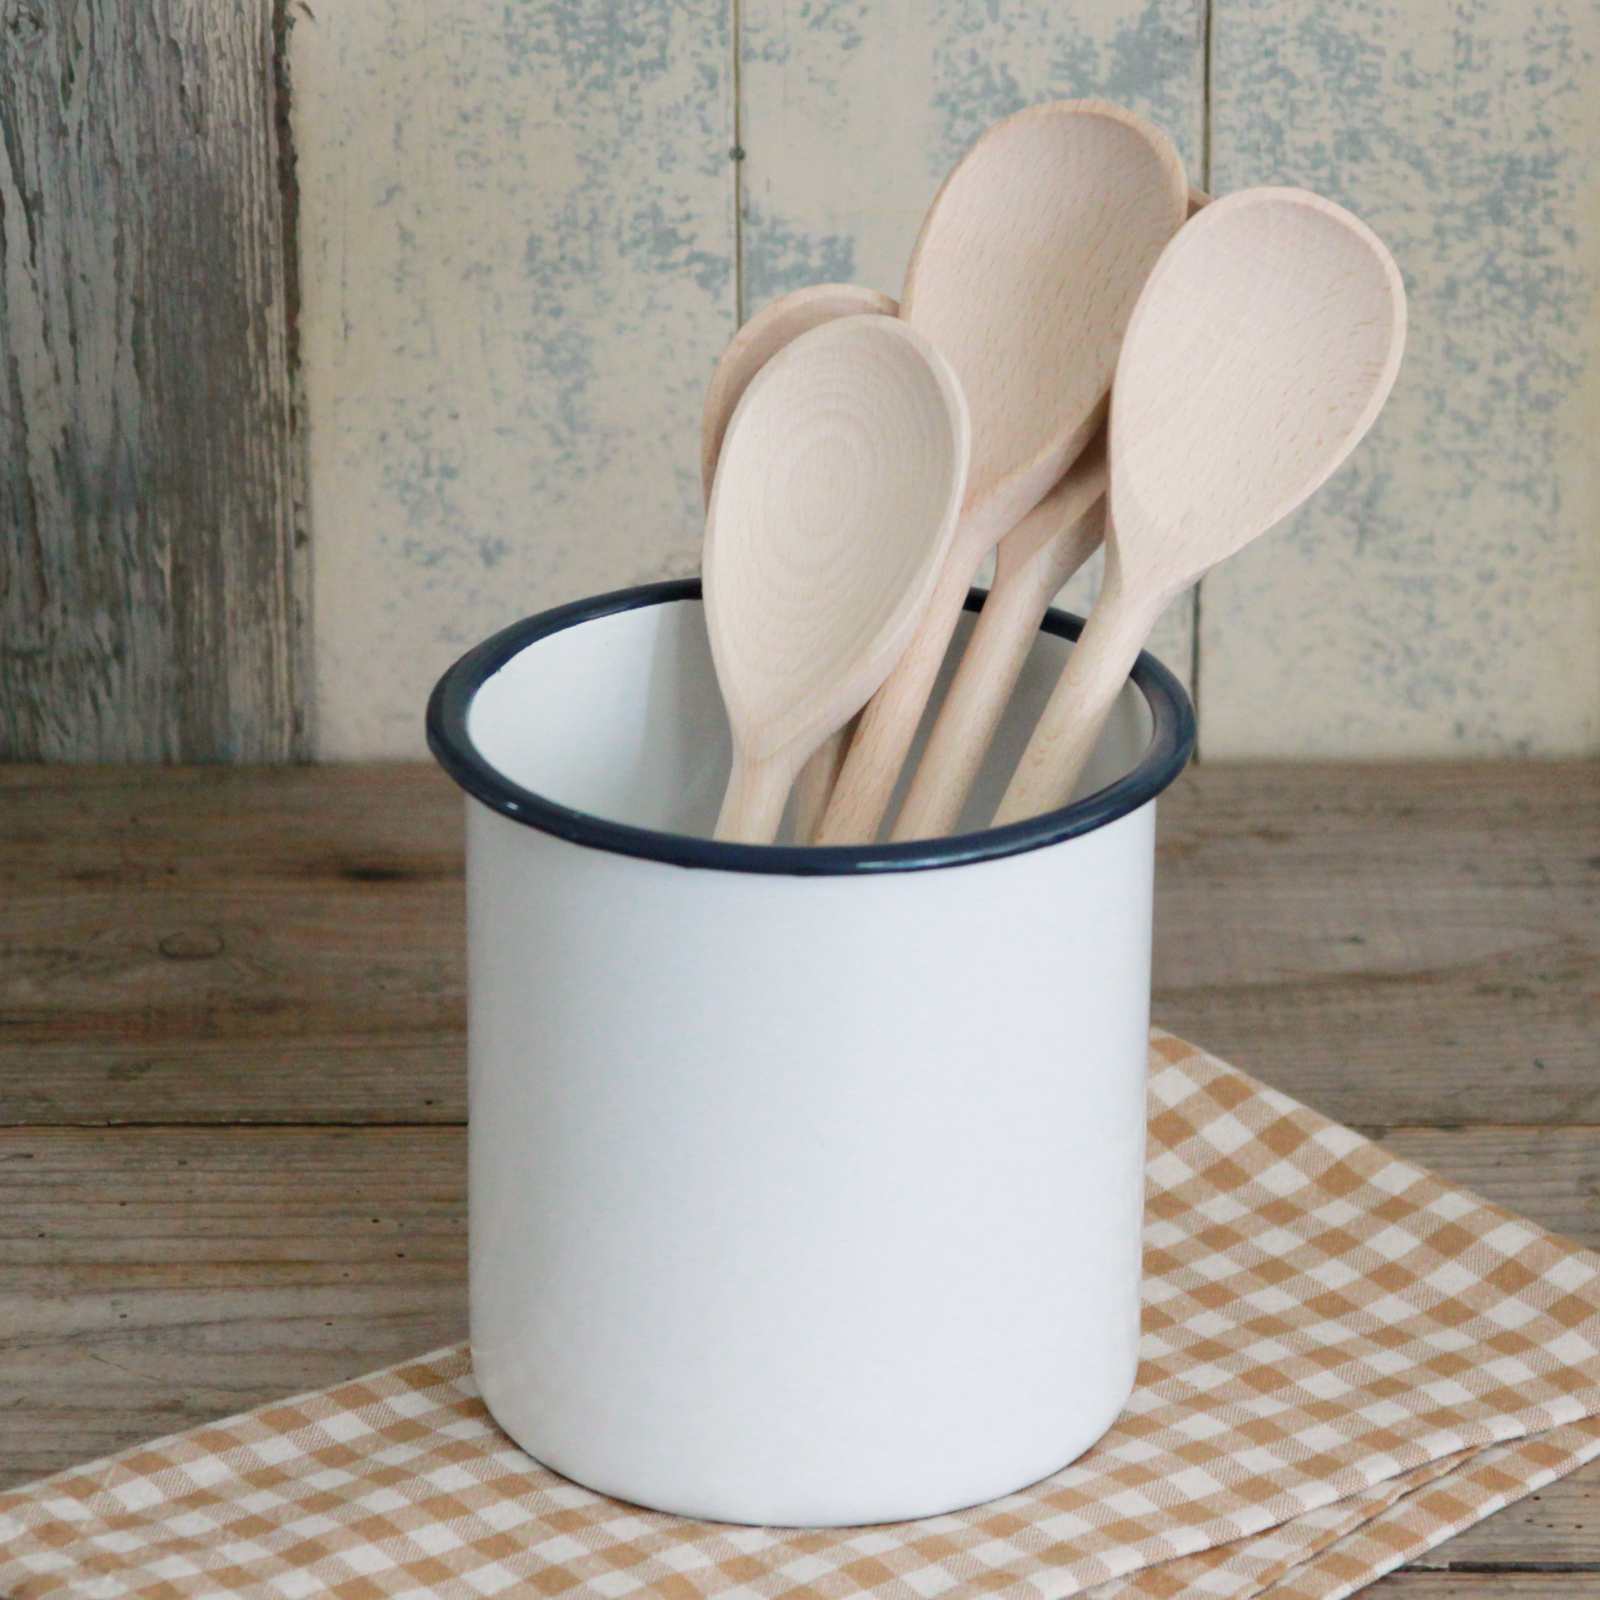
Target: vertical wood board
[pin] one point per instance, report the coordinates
(852, 113)
(518, 248)
(150, 585)
(1441, 595)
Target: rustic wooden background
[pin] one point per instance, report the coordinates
(334, 335)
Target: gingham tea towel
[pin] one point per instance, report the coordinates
(1345, 1361)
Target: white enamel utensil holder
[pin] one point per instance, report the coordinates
(805, 1185)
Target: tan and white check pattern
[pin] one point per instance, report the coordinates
(1345, 1362)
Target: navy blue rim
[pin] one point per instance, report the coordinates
(1171, 744)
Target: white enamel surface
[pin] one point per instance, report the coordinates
(797, 1200)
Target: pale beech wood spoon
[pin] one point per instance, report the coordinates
(761, 338)
(766, 333)
(1024, 274)
(1261, 351)
(1032, 563)
(836, 496)
(1034, 560)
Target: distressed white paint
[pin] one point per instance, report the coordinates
(852, 112)
(1442, 594)
(518, 268)
(517, 246)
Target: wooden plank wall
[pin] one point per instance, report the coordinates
(151, 582)
(1442, 595)
(518, 238)
(524, 232)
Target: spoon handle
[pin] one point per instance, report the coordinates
(1066, 733)
(752, 804)
(889, 723)
(814, 786)
(1028, 572)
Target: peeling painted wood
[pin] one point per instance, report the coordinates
(521, 260)
(1442, 594)
(518, 241)
(851, 114)
(150, 580)
(152, 1280)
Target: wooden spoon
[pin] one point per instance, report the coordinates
(1261, 351)
(1033, 561)
(761, 338)
(1039, 555)
(1024, 274)
(835, 500)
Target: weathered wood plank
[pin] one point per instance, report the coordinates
(150, 1280)
(1559, 1524)
(1390, 944)
(1441, 596)
(151, 583)
(282, 944)
(1395, 945)
(518, 236)
(154, 1279)
(1549, 1174)
(849, 120)
(1492, 1583)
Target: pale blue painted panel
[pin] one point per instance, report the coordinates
(518, 249)
(1442, 594)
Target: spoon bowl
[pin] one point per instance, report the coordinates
(1025, 274)
(770, 330)
(1032, 563)
(836, 496)
(1267, 340)
(1260, 353)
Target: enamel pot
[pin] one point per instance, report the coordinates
(805, 1184)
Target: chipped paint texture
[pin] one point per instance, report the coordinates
(517, 246)
(519, 263)
(1442, 594)
(852, 111)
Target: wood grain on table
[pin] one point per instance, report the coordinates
(232, 1049)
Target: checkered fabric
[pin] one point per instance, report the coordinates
(1345, 1362)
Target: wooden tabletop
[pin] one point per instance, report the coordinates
(232, 1050)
